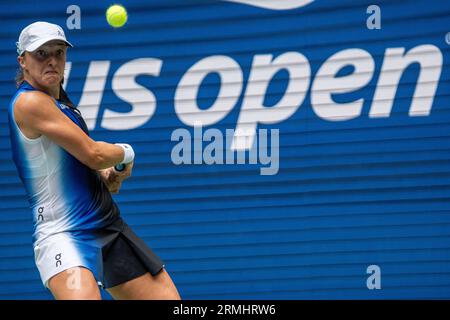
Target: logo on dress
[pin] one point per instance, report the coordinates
(58, 260)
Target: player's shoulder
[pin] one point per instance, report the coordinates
(35, 102)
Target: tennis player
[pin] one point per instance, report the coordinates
(80, 240)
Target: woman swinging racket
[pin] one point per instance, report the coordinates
(80, 240)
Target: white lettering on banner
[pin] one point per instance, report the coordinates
(253, 111)
(326, 84)
(93, 91)
(142, 100)
(275, 5)
(67, 70)
(231, 78)
(395, 62)
(264, 67)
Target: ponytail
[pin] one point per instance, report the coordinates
(64, 98)
(19, 77)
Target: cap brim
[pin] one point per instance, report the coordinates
(40, 42)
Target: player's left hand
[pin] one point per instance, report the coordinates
(113, 179)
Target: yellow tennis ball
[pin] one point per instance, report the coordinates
(116, 15)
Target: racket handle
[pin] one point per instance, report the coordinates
(119, 167)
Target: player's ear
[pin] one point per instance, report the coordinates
(21, 60)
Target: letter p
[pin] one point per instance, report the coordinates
(253, 111)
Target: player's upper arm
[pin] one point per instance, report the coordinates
(38, 112)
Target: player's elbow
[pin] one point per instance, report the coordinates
(95, 158)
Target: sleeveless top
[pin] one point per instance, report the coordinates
(63, 193)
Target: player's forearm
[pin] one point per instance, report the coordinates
(105, 155)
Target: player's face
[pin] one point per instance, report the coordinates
(45, 65)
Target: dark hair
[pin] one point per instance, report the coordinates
(19, 77)
(64, 98)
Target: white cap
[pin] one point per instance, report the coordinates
(36, 34)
